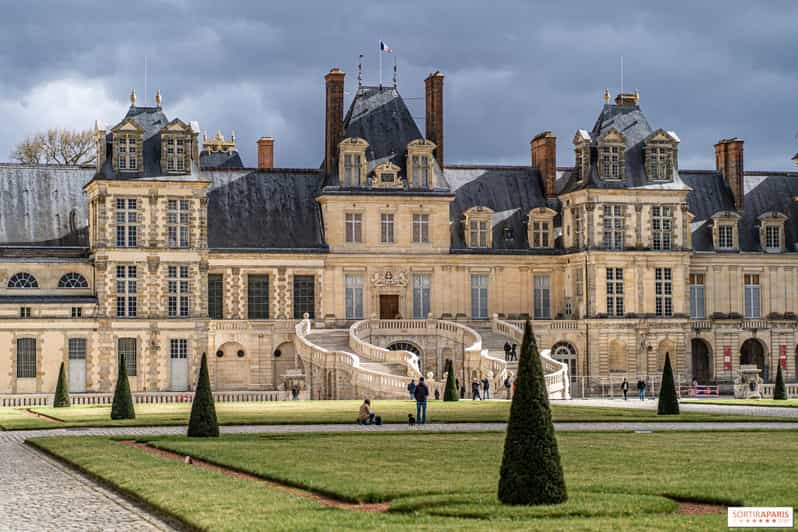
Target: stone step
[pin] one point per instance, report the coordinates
(393, 369)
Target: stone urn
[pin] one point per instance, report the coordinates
(748, 383)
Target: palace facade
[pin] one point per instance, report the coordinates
(170, 248)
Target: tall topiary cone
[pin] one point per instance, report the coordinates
(780, 391)
(122, 407)
(202, 423)
(531, 472)
(61, 398)
(450, 393)
(668, 401)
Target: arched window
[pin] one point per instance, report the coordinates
(23, 280)
(404, 346)
(73, 280)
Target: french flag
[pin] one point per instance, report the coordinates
(385, 48)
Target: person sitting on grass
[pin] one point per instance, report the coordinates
(365, 416)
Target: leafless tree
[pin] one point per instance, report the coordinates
(57, 146)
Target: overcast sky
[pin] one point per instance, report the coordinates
(513, 69)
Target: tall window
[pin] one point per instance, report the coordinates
(661, 227)
(258, 297)
(420, 228)
(178, 348)
(215, 296)
(421, 295)
(663, 291)
(542, 297)
(177, 281)
(175, 155)
(615, 306)
(540, 234)
(386, 228)
(612, 162)
(725, 236)
(126, 220)
(578, 228)
(352, 168)
(304, 296)
(421, 170)
(26, 358)
(659, 162)
(354, 227)
(177, 222)
(126, 292)
(772, 238)
(77, 349)
(613, 227)
(479, 297)
(354, 296)
(697, 296)
(127, 153)
(752, 291)
(478, 237)
(127, 347)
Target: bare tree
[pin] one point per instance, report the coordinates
(57, 146)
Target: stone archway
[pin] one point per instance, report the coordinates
(752, 352)
(283, 360)
(701, 361)
(565, 352)
(405, 345)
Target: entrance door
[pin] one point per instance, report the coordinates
(389, 307)
(179, 366)
(701, 371)
(77, 365)
(752, 353)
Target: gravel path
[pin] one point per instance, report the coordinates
(651, 404)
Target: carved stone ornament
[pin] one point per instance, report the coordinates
(387, 278)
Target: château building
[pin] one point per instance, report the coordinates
(386, 261)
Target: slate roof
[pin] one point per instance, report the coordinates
(225, 159)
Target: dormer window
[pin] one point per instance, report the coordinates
(386, 175)
(478, 233)
(175, 155)
(176, 147)
(582, 155)
(612, 164)
(660, 154)
(771, 231)
(479, 229)
(127, 153)
(724, 230)
(725, 236)
(352, 162)
(421, 171)
(541, 228)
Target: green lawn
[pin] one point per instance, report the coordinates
(789, 403)
(336, 412)
(447, 481)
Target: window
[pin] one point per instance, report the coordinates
(421, 171)
(772, 238)
(542, 297)
(23, 280)
(304, 296)
(478, 233)
(77, 349)
(76, 312)
(752, 302)
(613, 227)
(215, 296)
(126, 219)
(659, 162)
(126, 347)
(582, 162)
(386, 228)
(73, 280)
(354, 227)
(26, 358)
(540, 234)
(479, 297)
(177, 223)
(177, 283)
(352, 169)
(725, 236)
(258, 297)
(127, 153)
(24, 312)
(421, 295)
(615, 306)
(354, 296)
(421, 228)
(126, 290)
(178, 348)
(697, 296)
(661, 227)
(663, 291)
(612, 161)
(578, 228)
(579, 282)
(175, 155)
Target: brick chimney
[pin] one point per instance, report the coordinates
(544, 157)
(434, 116)
(265, 152)
(333, 117)
(729, 162)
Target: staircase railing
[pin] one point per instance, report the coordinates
(362, 329)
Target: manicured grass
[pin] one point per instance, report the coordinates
(788, 403)
(335, 412)
(448, 481)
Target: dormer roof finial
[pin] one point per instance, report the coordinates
(158, 98)
(606, 95)
(132, 97)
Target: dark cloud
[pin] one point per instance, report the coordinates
(514, 68)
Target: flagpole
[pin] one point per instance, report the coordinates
(380, 64)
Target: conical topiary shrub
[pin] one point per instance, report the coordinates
(531, 472)
(61, 398)
(668, 401)
(780, 391)
(122, 408)
(450, 392)
(202, 423)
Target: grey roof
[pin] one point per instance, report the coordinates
(43, 205)
(271, 209)
(228, 159)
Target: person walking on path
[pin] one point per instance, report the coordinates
(641, 389)
(462, 391)
(420, 394)
(411, 388)
(485, 388)
(507, 385)
(475, 390)
(513, 352)
(507, 348)
(625, 388)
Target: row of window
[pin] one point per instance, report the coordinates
(178, 223)
(178, 292)
(752, 307)
(128, 147)
(614, 220)
(27, 280)
(663, 292)
(353, 228)
(75, 312)
(258, 296)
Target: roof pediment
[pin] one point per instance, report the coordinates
(581, 136)
(128, 125)
(772, 216)
(613, 136)
(726, 216)
(176, 126)
(421, 144)
(354, 142)
(660, 135)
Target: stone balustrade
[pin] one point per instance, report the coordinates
(33, 400)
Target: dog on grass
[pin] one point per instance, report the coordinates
(411, 420)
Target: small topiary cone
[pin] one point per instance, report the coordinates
(668, 401)
(122, 407)
(61, 398)
(203, 423)
(780, 390)
(450, 391)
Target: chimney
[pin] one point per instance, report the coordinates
(265, 152)
(544, 157)
(333, 118)
(729, 162)
(434, 116)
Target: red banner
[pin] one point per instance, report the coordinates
(727, 357)
(783, 356)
